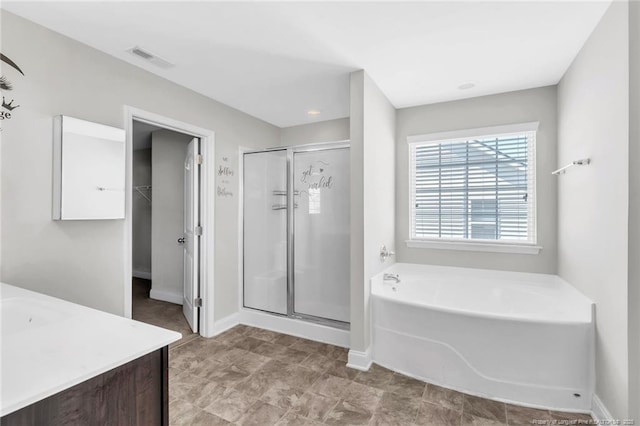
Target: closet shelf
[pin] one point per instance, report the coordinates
(145, 191)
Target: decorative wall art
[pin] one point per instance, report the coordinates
(6, 85)
(225, 173)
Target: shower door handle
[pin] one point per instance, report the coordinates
(181, 240)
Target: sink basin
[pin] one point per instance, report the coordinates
(20, 314)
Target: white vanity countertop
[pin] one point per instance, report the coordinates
(48, 345)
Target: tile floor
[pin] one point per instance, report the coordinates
(156, 312)
(251, 376)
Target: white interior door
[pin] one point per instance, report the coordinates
(191, 244)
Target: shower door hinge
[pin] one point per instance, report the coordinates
(197, 302)
(199, 159)
(198, 230)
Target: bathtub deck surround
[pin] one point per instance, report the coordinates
(251, 376)
(510, 336)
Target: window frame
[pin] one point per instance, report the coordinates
(500, 246)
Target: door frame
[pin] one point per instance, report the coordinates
(207, 208)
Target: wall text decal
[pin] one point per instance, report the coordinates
(225, 173)
(316, 178)
(8, 105)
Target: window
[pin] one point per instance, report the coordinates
(475, 186)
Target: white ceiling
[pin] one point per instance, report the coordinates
(277, 60)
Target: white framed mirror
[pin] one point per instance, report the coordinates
(88, 170)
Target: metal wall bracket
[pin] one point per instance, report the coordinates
(563, 170)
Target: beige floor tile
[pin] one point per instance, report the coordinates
(339, 369)
(365, 397)
(281, 395)
(184, 384)
(309, 346)
(329, 385)
(249, 361)
(405, 385)
(292, 419)
(436, 415)
(269, 349)
(346, 413)
(286, 340)
(572, 417)
(384, 419)
(314, 407)
(517, 415)
(470, 420)
(378, 377)
(228, 377)
(317, 362)
(336, 353)
(262, 334)
(203, 418)
(261, 414)
(249, 343)
(402, 407)
(291, 356)
(447, 398)
(230, 405)
(254, 385)
(485, 408)
(298, 376)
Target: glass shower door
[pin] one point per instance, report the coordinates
(265, 231)
(321, 234)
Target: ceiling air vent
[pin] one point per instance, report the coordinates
(150, 57)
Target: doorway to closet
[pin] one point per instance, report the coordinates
(165, 228)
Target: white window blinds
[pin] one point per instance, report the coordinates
(474, 188)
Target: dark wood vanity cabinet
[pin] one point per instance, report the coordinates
(136, 393)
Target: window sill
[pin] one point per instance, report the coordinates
(475, 246)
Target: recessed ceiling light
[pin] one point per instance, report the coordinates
(313, 112)
(466, 86)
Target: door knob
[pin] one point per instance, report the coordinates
(181, 240)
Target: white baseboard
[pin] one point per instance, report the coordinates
(360, 360)
(166, 296)
(145, 275)
(224, 324)
(294, 327)
(599, 411)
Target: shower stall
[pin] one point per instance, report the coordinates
(296, 232)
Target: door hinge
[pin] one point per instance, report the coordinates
(198, 230)
(197, 302)
(199, 159)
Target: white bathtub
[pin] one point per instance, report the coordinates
(515, 337)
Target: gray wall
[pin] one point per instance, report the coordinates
(323, 131)
(372, 131)
(507, 108)
(83, 261)
(634, 210)
(141, 220)
(593, 117)
(168, 152)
